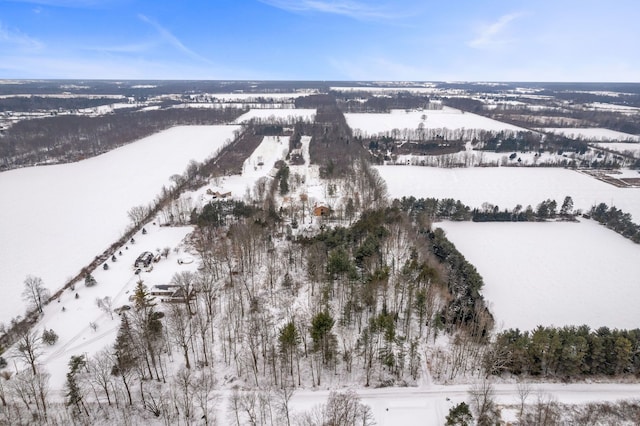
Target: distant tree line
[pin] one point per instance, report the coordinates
(467, 306)
(450, 209)
(54, 104)
(617, 220)
(367, 102)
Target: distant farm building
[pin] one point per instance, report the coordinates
(217, 194)
(321, 211)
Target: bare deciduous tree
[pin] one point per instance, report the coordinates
(524, 389)
(106, 304)
(35, 292)
(29, 349)
(137, 215)
(341, 409)
(180, 330)
(483, 403)
(100, 369)
(283, 396)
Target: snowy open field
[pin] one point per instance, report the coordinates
(508, 186)
(262, 159)
(592, 134)
(622, 147)
(553, 273)
(449, 118)
(290, 114)
(55, 219)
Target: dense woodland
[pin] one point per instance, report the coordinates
(50, 104)
(566, 352)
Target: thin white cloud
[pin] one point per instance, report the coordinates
(493, 35)
(352, 9)
(16, 39)
(172, 39)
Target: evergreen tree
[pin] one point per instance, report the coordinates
(289, 340)
(459, 415)
(125, 354)
(74, 393)
(323, 339)
(90, 281)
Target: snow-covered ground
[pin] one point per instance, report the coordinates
(592, 134)
(622, 147)
(508, 186)
(429, 406)
(260, 164)
(553, 273)
(472, 158)
(118, 282)
(55, 219)
(262, 159)
(449, 118)
(600, 106)
(289, 114)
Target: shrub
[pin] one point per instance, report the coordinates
(89, 281)
(49, 337)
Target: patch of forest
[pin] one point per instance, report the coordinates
(42, 103)
(366, 102)
(617, 220)
(431, 209)
(333, 146)
(568, 352)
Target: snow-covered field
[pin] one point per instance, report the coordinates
(262, 159)
(622, 147)
(592, 134)
(508, 186)
(448, 118)
(613, 107)
(472, 158)
(289, 114)
(55, 219)
(553, 273)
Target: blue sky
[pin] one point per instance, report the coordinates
(488, 40)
